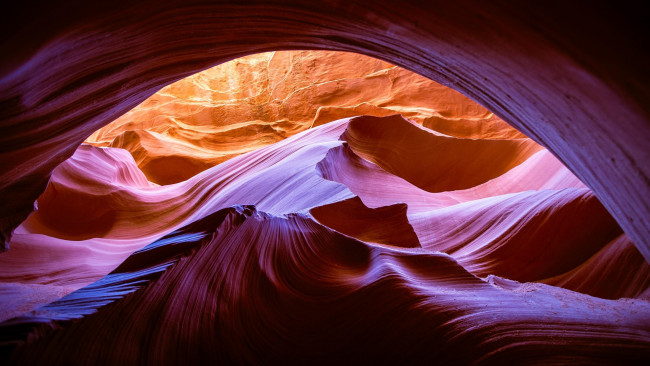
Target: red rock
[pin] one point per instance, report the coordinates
(564, 74)
(430, 162)
(257, 100)
(233, 276)
(298, 292)
(384, 225)
(220, 282)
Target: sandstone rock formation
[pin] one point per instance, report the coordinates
(285, 254)
(317, 227)
(571, 77)
(257, 100)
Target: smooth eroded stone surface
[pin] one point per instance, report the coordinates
(297, 251)
(253, 101)
(368, 239)
(572, 77)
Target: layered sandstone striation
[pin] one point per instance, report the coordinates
(253, 101)
(320, 239)
(572, 77)
(372, 239)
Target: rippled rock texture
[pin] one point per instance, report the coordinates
(297, 251)
(257, 100)
(572, 77)
(365, 240)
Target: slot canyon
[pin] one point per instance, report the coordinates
(335, 182)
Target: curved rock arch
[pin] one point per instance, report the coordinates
(573, 78)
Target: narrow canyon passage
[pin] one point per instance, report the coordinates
(572, 77)
(318, 207)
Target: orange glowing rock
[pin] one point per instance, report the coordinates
(257, 100)
(248, 222)
(303, 231)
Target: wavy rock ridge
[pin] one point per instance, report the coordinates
(228, 302)
(572, 77)
(284, 254)
(257, 100)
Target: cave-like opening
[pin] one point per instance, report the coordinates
(564, 82)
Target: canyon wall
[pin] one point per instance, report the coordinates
(207, 118)
(319, 248)
(368, 239)
(573, 78)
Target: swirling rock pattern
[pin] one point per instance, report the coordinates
(305, 252)
(254, 101)
(251, 262)
(572, 77)
(259, 289)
